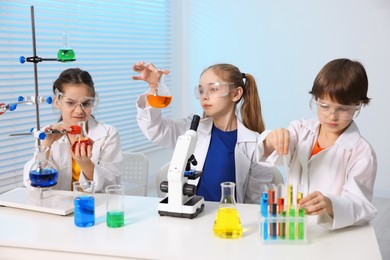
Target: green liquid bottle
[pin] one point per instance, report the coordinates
(65, 54)
(115, 219)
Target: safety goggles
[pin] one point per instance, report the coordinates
(342, 112)
(70, 102)
(213, 89)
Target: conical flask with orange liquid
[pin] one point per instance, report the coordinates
(227, 222)
(159, 96)
(81, 136)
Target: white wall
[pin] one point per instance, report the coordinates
(284, 44)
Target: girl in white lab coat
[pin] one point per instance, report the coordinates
(227, 149)
(328, 156)
(99, 161)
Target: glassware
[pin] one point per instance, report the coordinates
(43, 174)
(84, 203)
(227, 223)
(115, 216)
(160, 96)
(65, 53)
(82, 137)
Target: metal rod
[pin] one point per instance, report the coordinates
(35, 69)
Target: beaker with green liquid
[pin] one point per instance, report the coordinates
(65, 53)
(227, 222)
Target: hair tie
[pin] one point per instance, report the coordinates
(243, 75)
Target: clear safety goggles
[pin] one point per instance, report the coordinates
(213, 89)
(88, 104)
(342, 112)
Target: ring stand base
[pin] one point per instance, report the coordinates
(52, 201)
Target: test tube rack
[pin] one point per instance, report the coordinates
(282, 221)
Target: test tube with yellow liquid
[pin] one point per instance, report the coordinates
(227, 222)
(301, 215)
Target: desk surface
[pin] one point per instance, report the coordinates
(146, 235)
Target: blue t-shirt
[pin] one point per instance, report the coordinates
(219, 165)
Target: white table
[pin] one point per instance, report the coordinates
(146, 235)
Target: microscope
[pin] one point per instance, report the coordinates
(181, 200)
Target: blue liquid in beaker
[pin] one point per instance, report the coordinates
(84, 211)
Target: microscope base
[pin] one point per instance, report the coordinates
(190, 209)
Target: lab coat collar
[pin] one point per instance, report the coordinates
(348, 139)
(243, 133)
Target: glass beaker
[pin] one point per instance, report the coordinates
(115, 216)
(82, 137)
(227, 222)
(65, 53)
(43, 173)
(159, 96)
(84, 203)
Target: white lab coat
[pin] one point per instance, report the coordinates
(106, 156)
(344, 172)
(250, 175)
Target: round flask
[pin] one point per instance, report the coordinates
(43, 173)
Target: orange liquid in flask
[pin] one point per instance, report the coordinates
(159, 101)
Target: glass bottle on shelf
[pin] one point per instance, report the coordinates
(42, 173)
(81, 136)
(159, 96)
(65, 53)
(227, 222)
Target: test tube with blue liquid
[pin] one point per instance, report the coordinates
(264, 213)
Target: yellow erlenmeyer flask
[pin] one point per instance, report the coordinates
(227, 222)
(160, 96)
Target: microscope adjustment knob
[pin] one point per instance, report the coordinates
(189, 189)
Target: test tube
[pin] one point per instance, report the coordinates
(289, 196)
(280, 201)
(264, 213)
(301, 214)
(291, 224)
(273, 224)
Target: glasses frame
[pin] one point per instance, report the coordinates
(337, 110)
(227, 85)
(95, 101)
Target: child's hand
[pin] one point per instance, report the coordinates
(82, 150)
(316, 203)
(51, 138)
(82, 154)
(279, 140)
(149, 73)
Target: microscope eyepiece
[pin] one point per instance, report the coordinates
(195, 123)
